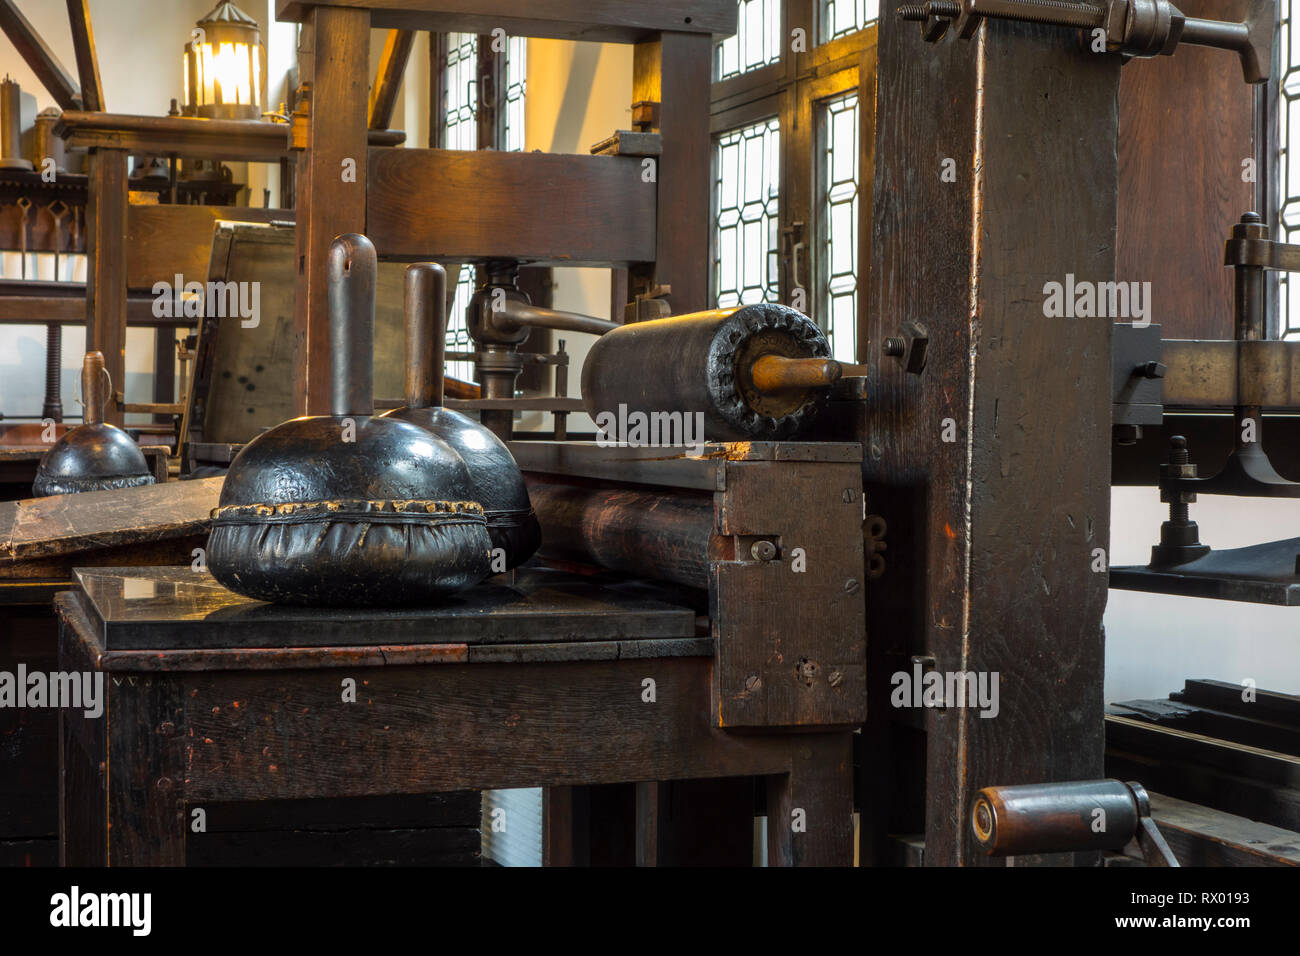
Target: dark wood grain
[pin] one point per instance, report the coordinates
(552, 208)
(791, 644)
(596, 20)
(190, 136)
(83, 42)
(106, 266)
(334, 57)
(991, 535)
(1186, 124)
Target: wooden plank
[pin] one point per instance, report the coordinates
(166, 241)
(68, 306)
(65, 525)
(1187, 124)
(106, 266)
(991, 535)
(253, 141)
(57, 81)
(671, 70)
(1203, 836)
(334, 57)
(800, 661)
(551, 208)
(624, 21)
(83, 42)
(388, 79)
(482, 714)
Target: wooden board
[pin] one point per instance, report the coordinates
(166, 241)
(457, 205)
(990, 535)
(596, 20)
(1186, 124)
(39, 534)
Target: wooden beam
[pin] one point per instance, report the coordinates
(38, 55)
(671, 71)
(106, 266)
(164, 241)
(83, 41)
(253, 141)
(460, 205)
(618, 21)
(334, 55)
(992, 465)
(388, 78)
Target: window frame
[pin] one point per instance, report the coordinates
(788, 90)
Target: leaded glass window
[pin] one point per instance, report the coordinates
(837, 260)
(757, 41)
(845, 16)
(461, 106)
(746, 187)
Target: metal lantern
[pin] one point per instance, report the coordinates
(223, 66)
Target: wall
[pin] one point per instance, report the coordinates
(578, 94)
(1155, 642)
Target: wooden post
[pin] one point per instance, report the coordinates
(106, 267)
(672, 71)
(334, 51)
(83, 42)
(992, 466)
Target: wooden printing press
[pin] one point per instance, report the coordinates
(688, 648)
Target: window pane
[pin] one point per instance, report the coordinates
(457, 334)
(746, 188)
(516, 86)
(838, 228)
(757, 41)
(844, 16)
(462, 91)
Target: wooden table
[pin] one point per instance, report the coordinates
(553, 680)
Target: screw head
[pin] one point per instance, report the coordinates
(763, 550)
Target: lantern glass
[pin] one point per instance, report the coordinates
(223, 66)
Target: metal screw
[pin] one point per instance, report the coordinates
(895, 346)
(1178, 455)
(836, 678)
(752, 682)
(852, 586)
(763, 550)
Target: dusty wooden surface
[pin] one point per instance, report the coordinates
(41, 535)
(585, 210)
(991, 534)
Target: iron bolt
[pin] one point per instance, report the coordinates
(763, 550)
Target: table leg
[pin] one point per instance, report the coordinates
(810, 809)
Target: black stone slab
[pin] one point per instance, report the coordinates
(164, 608)
(1258, 574)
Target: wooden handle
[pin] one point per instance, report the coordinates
(775, 373)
